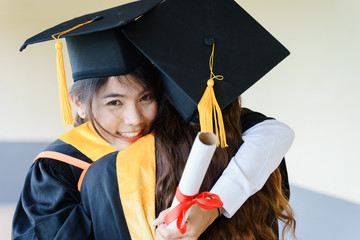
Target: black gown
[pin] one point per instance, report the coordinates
(51, 207)
(50, 204)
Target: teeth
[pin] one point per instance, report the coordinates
(130, 134)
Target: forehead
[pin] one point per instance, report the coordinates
(123, 84)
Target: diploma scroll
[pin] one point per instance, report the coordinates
(195, 169)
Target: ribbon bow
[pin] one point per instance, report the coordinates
(205, 200)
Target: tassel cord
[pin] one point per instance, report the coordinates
(209, 109)
(65, 105)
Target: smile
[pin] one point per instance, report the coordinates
(131, 136)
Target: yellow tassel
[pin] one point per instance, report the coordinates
(66, 111)
(209, 109)
(67, 117)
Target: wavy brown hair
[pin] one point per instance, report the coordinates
(257, 218)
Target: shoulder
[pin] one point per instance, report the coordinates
(53, 166)
(250, 118)
(257, 123)
(67, 149)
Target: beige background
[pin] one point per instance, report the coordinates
(315, 90)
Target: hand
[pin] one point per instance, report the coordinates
(198, 221)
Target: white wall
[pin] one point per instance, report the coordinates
(314, 90)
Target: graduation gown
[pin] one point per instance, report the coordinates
(51, 206)
(50, 203)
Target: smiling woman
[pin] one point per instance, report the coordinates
(116, 104)
(113, 113)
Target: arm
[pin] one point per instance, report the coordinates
(265, 144)
(49, 205)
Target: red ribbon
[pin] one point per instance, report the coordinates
(205, 200)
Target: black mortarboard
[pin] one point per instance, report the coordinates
(96, 46)
(178, 36)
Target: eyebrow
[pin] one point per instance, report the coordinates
(112, 95)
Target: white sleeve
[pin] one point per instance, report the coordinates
(265, 144)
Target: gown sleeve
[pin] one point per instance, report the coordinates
(265, 143)
(49, 205)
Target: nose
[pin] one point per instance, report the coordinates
(133, 115)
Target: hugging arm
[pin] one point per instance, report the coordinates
(265, 143)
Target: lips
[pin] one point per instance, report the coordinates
(131, 136)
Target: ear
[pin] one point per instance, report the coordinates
(80, 108)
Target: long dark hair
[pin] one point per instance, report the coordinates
(258, 215)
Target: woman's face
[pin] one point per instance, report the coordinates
(125, 110)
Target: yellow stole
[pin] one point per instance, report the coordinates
(135, 167)
(87, 141)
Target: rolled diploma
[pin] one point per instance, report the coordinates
(195, 169)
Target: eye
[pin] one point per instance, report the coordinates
(114, 103)
(146, 97)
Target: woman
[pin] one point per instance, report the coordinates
(50, 203)
(256, 219)
(122, 111)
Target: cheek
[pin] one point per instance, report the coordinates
(103, 116)
(150, 112)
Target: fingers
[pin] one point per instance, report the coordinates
(199, 219)
(158, 234)
(161, 217)
(163, 233)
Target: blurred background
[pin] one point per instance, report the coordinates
(314, 90)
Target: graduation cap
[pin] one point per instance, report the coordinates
(96, 46)
(192, 41)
